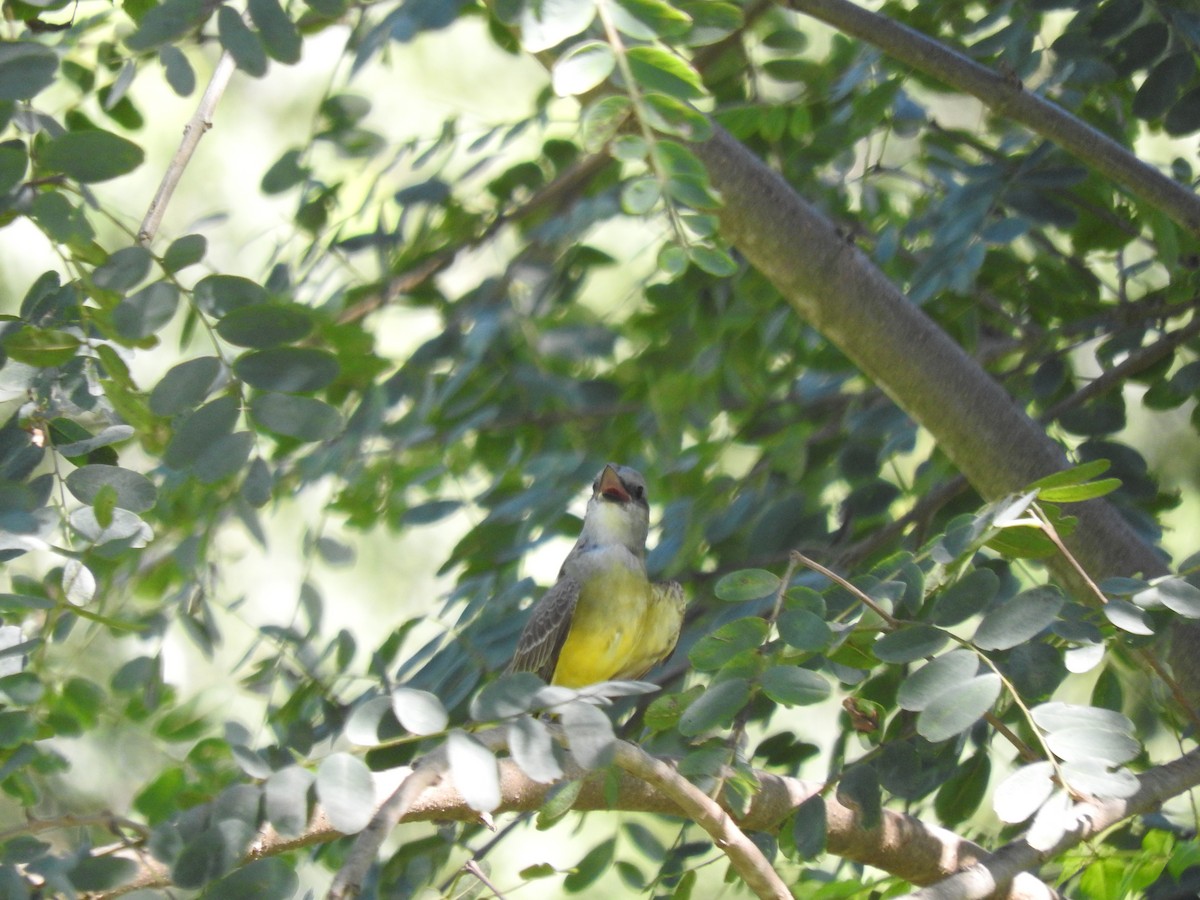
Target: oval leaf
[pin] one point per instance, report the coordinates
(909, 644)
(1017, 620)
(582, 68)
(346, 791)
(793, 686)
(746, 584)
(946, 673)
(953, 712)
(474, 771)
(91, 156)
(419, 711)
(287, 369)
(716, 706)
(303, 418)
(135, 491)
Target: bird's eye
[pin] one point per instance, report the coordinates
(639, 491)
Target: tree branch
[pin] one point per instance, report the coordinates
(199, 123)
(1007, 97)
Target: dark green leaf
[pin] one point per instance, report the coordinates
(102, 873)
(263, 879)
(124, 269)
(303, 418)
(240, 42)
(647, 20)
(967, 597)
(804, 630)
(91, 156)
(41, 347)
(265, 326)
(145, 312)
(1163, 85)
(597, 861)
(810, 828)
(910, 643)
(1019, 619)
(26, 69)
(185, 251)
(959, 797)
(178, 71)
(201, 429)
(224, 457)
(1173, 593)
(714, 650)
(185, 386)
(166, 22)
(746, 584)
(278, 33)
(659, 70)
(219, 295)
(715, 707)
(287, 369)
(794, 686)
(135, 491)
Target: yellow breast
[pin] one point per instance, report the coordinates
(622, 626)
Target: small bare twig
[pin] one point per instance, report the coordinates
(199, 123)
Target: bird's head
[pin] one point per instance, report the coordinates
(618, 512)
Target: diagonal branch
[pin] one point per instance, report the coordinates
(1008, 97)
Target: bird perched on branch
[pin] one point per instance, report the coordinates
(603, 619)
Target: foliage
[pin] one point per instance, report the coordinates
(934, 667)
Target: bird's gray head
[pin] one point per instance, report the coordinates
(618, 512)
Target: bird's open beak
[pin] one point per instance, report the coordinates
(610, 486)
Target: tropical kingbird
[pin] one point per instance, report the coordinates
(603, 619)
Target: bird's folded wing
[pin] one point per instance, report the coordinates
(543, 636)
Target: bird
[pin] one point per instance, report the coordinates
(604, 620)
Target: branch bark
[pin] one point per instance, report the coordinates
(1008, 97)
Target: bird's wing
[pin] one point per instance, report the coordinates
(543, 636)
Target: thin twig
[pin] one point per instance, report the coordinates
(863, 598)
(200, 122)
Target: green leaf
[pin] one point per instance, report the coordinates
(967, 597)
(959, 797)
(810, 828)
(859, 789)
(589, 734)
(582, 68)
(124, 269)
(279, 35)
(532, 748)
(167, 22)
(746, 584)
(201, 429)
(102, 873)
(602, 119)
(224, 457)
(287, 369)
(1017, 620)
(548, 23)
(240, 42)
(91, 156)
(804, 630)
(26, 69)
(675, 117)
(419, 711)
(1173, 593)
(346, 792)
(185, 386)
(266, 325)
(910, 643)
(185, 251)
(1086, 743)
(362, 725)
(714, 650)
(1127, 617)
(659, 70)
(263, 879)
(303, 418)
(285, 796)
(712, 260)
(135, 492)
(946, 673)
(1080, 492)
(794, 686)
(40, 347)
(1023, 792)
(1163, 85)
(178, 71)
(647, 20)
(142, 314)
(474, 771)
(639, 196)
(953, 712)
(597, 861)
(219, 295)
(715, 707)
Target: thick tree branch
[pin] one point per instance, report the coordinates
(838, 290)
(1007, 97)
